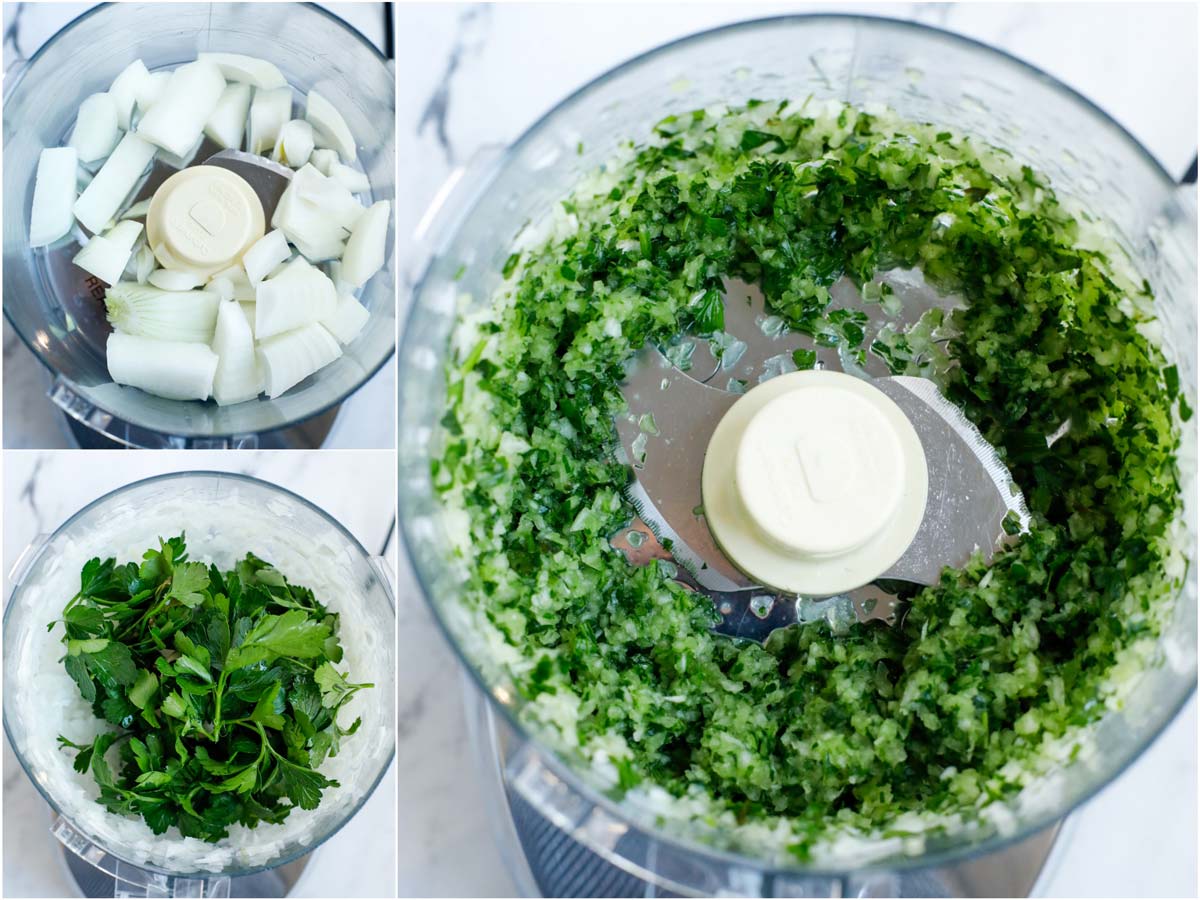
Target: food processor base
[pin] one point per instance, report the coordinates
(308, 435)
(95, 882)
(546, 859)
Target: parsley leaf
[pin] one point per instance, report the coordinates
(187, 584)
(708, 313)
(302, 786)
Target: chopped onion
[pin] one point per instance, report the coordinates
(53, 196)
(292, 311)
(176, 279)
(311, 228)
(269, 110)
(176, 120)
(354, 181)
(106, 255)
(237, 377)
(131, 266)
(294, 145)
(96, 131)
(330, 196)
(347, 319)
(334, 270)
(162, 315)
(323, 158)
(365, 249)
(145, 263)
(299, 295)
(330, 127)
(243, 290)
(125, 234)
(172, 369)
(247, 69)
(134, 79)
(113, 183)
(248, 309)
(287, 359)
(222, 287)
(279, 268)
(227, 124)
(138, 210)
(151, 89)
(181, 162)
(265, 255)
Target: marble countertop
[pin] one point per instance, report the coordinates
(367, 418)
(358, 488)
(476, 75)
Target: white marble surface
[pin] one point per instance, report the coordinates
(42, 489)
(31, 421)
(474, 75)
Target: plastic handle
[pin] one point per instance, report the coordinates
(130, 880)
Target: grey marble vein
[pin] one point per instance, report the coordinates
(12, 37)
(410, 711)
(469, 37)
(29, 494)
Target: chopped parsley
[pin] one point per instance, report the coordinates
(817, 735)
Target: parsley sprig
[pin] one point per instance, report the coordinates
(221, 684)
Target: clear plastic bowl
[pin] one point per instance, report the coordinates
(924, 74)
(225, 515)
(47, 300)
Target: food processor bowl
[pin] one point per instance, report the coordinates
(923, 74)
(223, 515)
(59, 312)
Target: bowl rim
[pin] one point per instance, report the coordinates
(12, 85)
(551, 757)
(112, 494)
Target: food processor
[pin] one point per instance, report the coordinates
(57, 309)
(576, 839)
(224, 515)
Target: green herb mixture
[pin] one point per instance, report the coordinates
(221, 684)
(816, 736)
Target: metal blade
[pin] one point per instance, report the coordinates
(754, 614)
(664, 436)
(970, 490)
(756, 345)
